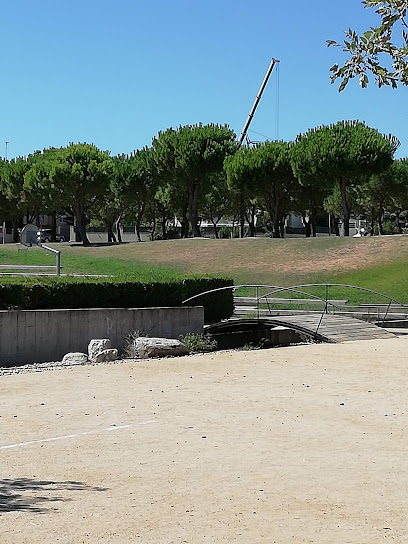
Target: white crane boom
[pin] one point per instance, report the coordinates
(257, 99)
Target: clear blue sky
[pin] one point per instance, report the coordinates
(115, 72)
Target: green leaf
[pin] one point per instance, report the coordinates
(343, 84)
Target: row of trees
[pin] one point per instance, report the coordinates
(338, 168)
(198, 171)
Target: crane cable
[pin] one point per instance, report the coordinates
(277, 103)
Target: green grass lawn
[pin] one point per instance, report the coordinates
(85, 264)
(378, 263)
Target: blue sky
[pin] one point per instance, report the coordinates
(115, 72)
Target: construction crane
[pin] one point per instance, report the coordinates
(257, 99)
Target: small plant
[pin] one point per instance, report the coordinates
(389, 227)
(198, 343)
(129, 350)
(262, 344)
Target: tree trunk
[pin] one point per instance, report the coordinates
(372, 225)
(345, 206)
(214, 222)
(251, 226)
(276, 227)
(335, 224)
(380, 221)
(276, 217)
(250, 217)
(15, 230)
(117, 228)
(53, 226)
(153, 231)
(193, 209)
(313, 217)
(282, 226)
(163, 221)
(241, 216)
(111, 234)
(184, 229)
(307, 225)
(137, 228)
(82, 231)
(397, 221)
(139, 218)
(184, 222)
(81, 224)
(313, 223)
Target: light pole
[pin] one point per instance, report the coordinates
(6, 149)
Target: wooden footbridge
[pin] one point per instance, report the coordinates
(330, 328)
(336, 321)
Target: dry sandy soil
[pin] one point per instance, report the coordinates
(310, 254)
(290, 445)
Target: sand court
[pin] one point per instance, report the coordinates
(300, 444)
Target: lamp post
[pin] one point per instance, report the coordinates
(3, 228)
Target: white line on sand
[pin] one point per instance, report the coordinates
(111, 428)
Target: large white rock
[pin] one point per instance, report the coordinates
(144, 347)
(75, 358)
(96, 346)
(106, 355)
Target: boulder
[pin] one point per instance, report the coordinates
(96, 346)
(75, 358)
(144, 347)
(105, 356)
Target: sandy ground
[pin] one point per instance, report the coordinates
(291, 445)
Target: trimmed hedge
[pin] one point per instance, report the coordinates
(52, 293)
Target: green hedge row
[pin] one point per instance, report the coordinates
(52, 293)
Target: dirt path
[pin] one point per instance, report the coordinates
(303, 444)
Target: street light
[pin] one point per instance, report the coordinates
(6, 149)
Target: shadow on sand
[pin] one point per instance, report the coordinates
(29, 495)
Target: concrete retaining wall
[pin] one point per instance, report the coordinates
(28, 336)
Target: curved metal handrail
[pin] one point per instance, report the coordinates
(337, 285)
(296, 290)
(391, 300)
(277, 289)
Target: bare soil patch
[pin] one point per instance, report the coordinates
(302, 444)
(261, 257)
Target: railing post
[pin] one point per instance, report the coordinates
(327, 298)
(57, 257)
(257, 302)
(58, 263)
(386, 313)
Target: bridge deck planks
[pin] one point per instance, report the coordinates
(333, 328)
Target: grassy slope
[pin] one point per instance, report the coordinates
(378, 263)
(73, 263)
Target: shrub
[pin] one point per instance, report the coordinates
(389, 227)
(218, 305)
(224, 232)
(228, 232)
(51, 293)
(198, 343)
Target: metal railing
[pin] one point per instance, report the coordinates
(329, 305)
(28, 269)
